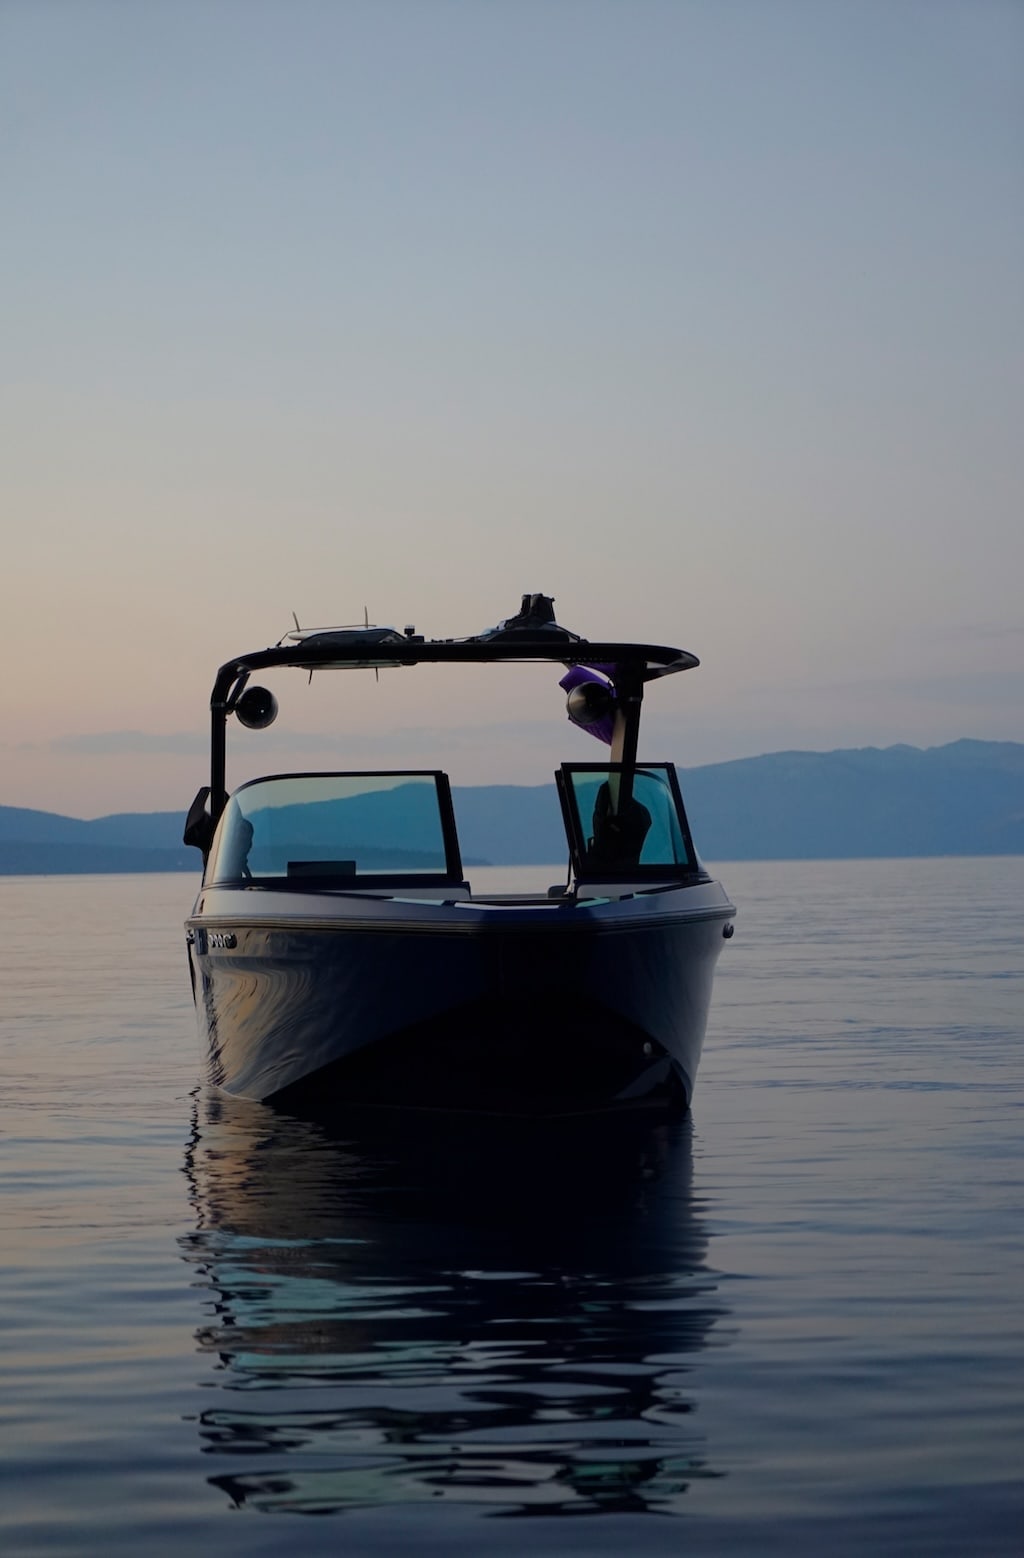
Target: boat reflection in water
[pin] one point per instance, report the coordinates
(470, 1311)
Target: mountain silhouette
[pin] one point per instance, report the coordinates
(966, 798)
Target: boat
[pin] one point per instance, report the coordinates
(340, 956)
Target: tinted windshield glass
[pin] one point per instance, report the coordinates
(648, 834)
(332, 825)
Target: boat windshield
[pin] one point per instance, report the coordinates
(337, 826)
(650, 835)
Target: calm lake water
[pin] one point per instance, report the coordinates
(792, 1323)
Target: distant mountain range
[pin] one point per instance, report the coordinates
(963, 799)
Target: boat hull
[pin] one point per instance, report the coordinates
(320, 1003)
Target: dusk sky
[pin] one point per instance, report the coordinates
(705, 317)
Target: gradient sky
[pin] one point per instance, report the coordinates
(705, 318)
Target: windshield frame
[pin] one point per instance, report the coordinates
(578, 829)
(314, 881)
